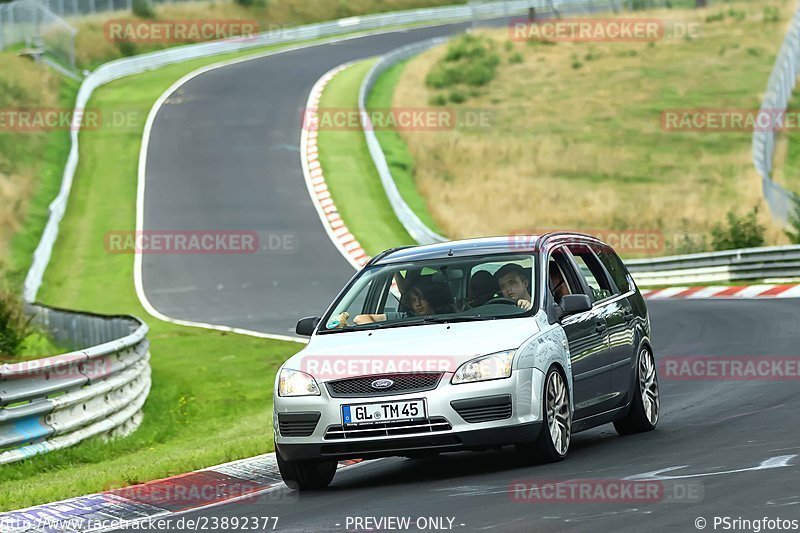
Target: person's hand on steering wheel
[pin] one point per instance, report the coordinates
(525, 305)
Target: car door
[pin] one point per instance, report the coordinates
(623, 341)
(588, 346)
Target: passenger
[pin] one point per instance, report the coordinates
(514, 285)
(482, 288)
(422, 298)
(558, 286)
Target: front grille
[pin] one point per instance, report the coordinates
(388, 429)
(297, 424)
(361, 386)
(483, 409)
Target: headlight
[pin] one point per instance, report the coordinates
(492, 366)
(296, 383)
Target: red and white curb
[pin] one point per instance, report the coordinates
(722, 291)
(247, 481)
(342, 238)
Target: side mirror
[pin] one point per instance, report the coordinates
(572, 304)
(307, 325)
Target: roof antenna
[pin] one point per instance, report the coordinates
(450, 253)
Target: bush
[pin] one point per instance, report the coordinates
(143, 9)
(741, 232)
(127, 48)
(14, 326)
(469, 60)
(516, 57)
(772, 14)
(438, 100)
(794, 221)
(457, 97)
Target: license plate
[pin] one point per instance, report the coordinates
(373, 413)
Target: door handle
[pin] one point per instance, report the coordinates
(628, 315)
(600, 327)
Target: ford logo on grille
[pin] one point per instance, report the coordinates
(381, 384)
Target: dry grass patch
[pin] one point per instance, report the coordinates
(576, 139)
(23, 84)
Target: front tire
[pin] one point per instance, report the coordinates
(552, 444)
(306, 475)
(646, 403)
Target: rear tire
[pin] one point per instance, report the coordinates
(306, 475)
(552, 444)
(646, 403)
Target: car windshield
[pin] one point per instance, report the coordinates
(436, 291)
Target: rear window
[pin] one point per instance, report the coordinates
(615, 268)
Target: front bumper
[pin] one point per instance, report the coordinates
(524, 388)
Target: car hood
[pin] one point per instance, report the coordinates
(407, 349)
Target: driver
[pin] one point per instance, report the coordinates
(421, 298)
(514, 285)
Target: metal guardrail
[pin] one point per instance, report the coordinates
(776, 99)
(718, 267)
(137, 64)
(97, 389)
(417, 229)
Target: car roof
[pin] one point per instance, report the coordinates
(470, 247)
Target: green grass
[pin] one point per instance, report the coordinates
(350, 173)
(395, 149)
(211, 395)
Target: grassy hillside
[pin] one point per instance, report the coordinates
(575, 138)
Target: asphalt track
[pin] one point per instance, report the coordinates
(224, 155)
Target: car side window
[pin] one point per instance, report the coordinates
(593, 272)
(616, 269)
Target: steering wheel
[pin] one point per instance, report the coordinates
(501, 300)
